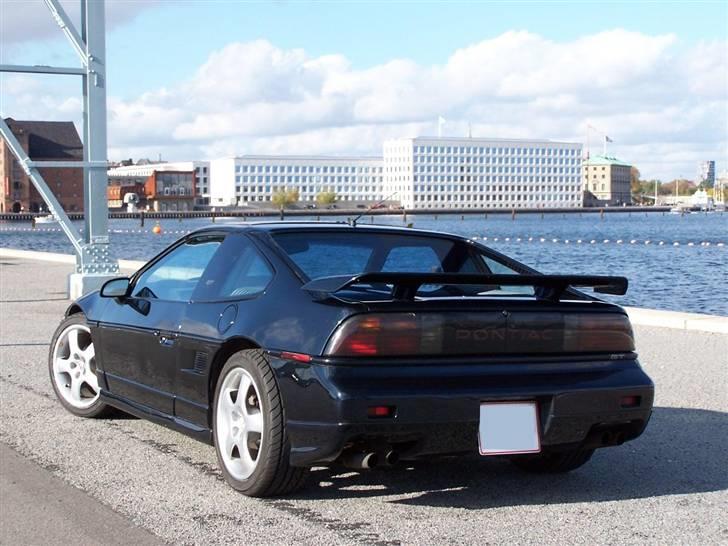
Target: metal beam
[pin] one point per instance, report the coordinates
(65, 164)
(54, 206)
(96, 211)
(59, 14)
(42, 69)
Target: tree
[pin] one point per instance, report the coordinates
(634, 179)
(647, 187)
(326, 197)
(285, 197)
(685, 187)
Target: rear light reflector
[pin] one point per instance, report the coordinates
(379, 412)
(298, 357)
(630, 401)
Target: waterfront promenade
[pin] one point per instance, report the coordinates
(669, 486)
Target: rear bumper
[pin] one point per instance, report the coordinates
(438, 404)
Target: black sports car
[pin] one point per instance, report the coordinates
(289, 345)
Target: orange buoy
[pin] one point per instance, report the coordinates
(157, 229)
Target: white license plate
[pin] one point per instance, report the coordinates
(507, 428)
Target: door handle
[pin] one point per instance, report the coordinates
(166, 341)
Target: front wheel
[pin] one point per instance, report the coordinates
(553, 463)
(249, 429)
(72, 367)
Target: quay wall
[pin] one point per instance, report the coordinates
(639, 316)
(275, 213)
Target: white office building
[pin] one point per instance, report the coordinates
(706, 173)
(253, 179)
(466, 173)
(201, 169)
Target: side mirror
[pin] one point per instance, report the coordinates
(115, 288)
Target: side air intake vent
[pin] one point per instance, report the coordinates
(200, 365)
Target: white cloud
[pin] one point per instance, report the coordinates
(665, 104)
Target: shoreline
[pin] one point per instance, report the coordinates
(639, 316)
(267, 213)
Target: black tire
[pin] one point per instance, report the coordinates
(98, 408)
(553, 463)
(273, 474)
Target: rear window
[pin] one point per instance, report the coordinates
(326, 254)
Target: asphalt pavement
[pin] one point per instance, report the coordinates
(133, 481)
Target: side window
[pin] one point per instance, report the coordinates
(418, 259)
(497, 268)
(238, 270)
(174, 277)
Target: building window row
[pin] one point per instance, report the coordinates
(497, 170)
(277, 179)
(499, 150)
(306, 169)
(453, 160)
(505, 199)
(488, 178)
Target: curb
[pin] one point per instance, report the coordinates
(639, 316)
(715, 324)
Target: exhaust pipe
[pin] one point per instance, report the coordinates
(391, 457)
(360, 461)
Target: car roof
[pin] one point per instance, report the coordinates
(308, 226)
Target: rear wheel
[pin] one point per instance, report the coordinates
(72, 368)
(249, 429)
(553, 463)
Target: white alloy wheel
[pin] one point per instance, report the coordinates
(239, 423)
(74, 367)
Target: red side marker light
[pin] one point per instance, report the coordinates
(380, 411)
(298, 357)
(630, 401)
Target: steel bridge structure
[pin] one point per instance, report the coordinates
(95, 262)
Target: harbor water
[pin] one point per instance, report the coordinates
(672, 262)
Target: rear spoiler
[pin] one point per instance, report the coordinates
(406, 285)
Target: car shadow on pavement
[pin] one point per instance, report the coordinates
(682, 451)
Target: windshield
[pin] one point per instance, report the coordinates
(326, 254)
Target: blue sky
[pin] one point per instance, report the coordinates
(165, 42)
(369, 33)
(385, 57)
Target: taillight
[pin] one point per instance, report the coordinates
(604, 333)
(481, 333)
(391, 334)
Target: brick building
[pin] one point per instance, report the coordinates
(42, 141)
(167, 191)
(119, 186)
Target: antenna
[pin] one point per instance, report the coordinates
(371, 207)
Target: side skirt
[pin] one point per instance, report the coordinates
(197, 432)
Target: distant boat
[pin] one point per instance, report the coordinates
(47, 219)
(679, 210)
